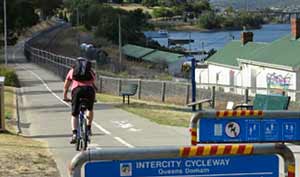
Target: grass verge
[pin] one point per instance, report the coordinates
(9, 103)
(160, 113)
(23, 157)
(20, 156)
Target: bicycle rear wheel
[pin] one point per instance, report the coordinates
(85, 136)
(80, 135)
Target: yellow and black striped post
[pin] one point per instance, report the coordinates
(291, 170)
(216, 150)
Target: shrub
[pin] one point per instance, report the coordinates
(11, 78)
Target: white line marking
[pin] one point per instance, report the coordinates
(61, 100)
(101, 128)
(94, 146)
(44, 83)
(124, 142)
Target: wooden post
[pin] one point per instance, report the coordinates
(119, 86)
(100, 84)
(187, 99)
(163, 91)
(139, 88)
(213, 97)
(246, 95)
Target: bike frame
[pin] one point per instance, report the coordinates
(82, 136)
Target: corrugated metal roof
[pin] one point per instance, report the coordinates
(233, 50)
(135, 51)
(284, 51)
(163, 56)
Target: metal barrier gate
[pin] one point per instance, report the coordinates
(291, 117)
(91, 159)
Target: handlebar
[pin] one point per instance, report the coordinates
(67, 100)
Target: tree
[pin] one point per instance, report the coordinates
(209, 20)
(162, 12)
(20, 14)
(150, 3)
(48, 8)
(200, 6)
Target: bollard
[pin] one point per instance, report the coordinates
(2, 111)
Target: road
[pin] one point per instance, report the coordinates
(46, 117)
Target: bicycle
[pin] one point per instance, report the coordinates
(82, 138)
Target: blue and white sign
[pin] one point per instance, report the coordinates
(225, 166)
(248, 130)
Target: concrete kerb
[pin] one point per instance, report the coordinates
(281, 149)
(82, 158)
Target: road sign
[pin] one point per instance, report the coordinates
(222, 166)
(249, 130)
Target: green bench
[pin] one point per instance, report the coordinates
(128, 90)
(267, 102)
(200, 102)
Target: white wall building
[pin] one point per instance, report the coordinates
(267, 68)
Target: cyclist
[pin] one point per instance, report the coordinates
(81, 78)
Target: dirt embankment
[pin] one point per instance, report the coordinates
(65, 41)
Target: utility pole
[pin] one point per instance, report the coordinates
(5, 32)
(120, 40)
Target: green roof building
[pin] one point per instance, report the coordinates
(172, 60)
(136, 52)
(266, 68)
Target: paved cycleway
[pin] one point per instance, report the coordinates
(45, 116)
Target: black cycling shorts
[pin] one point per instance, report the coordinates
(85, 92)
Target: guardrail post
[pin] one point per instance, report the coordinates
(100, 82)
(139, 88)
(187, 98)
(2, 115)
(213, 96)
(246, 96)
(163, 91)
(119, 86)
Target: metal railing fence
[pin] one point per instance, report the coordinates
(182, 152)
(155, 90)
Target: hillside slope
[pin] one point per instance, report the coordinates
(254, 4)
